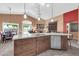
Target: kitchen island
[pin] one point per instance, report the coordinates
(34, 44)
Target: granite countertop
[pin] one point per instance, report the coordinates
(23, 36)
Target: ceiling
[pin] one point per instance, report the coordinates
(47, 10)
(60, 8)
(32, 9)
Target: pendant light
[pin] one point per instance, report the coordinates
(52, 20)
(10, 26)
(10, 10)
(39, 12)
(25, 16)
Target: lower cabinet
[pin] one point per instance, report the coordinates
(43, 44)
(25, 47)
(31, 46)
(64, 42)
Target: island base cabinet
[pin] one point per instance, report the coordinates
(31, 46)
(43, 44)
(64, 42)
(25, 47)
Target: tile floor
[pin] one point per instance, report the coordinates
(7, 50)
(74, 51)
(70, 52)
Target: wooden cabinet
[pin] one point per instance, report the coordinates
(36, 45)
(25, 47)
(64, 42)
(31, 46)
(52, 27)
(43, 44)
(40, 28)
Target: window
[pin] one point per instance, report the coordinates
(13, 27)
(74, 27)
(26, 26)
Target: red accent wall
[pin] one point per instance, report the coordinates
(70, 16)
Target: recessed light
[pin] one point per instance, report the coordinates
(42, 4)
(47, 5)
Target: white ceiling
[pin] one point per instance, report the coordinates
(33, 8)
(60, 8)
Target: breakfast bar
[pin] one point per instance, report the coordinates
(34, 44)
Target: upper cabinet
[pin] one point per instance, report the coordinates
(52, 27)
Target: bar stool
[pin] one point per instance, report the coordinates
(3, 38)
(70, 40)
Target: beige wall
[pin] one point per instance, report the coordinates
(59, 23)
(17, 19)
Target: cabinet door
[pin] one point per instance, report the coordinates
(64, 42)
(25, 47)
(43, 44)
(29, 47)
(39, 45)
(47, 42)
(17, 47)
